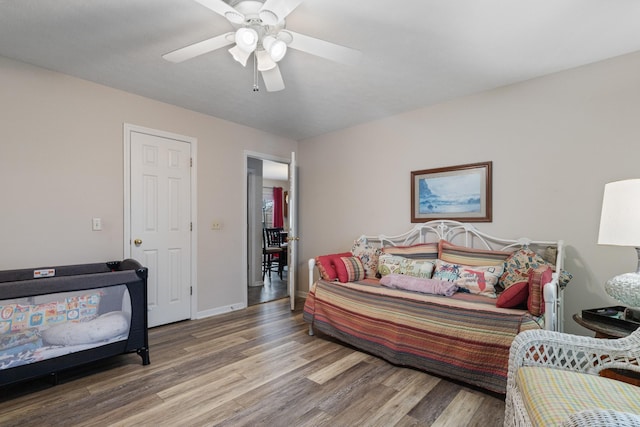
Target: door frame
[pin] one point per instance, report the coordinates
(245, 176)
(193, 143)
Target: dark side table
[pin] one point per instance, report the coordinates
(604, 330)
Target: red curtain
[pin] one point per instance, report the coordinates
(278, 220)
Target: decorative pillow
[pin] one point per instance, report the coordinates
(368, 255)
(520, 264)
(417, 284)
(537, 279)
(419, 251)
(454, 254)
(445, 271)
(480, 280)
(515, 295)
(388, 264)
(325, 266)
(349, 269)
(418, 268)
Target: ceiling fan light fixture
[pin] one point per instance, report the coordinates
(234, 17)
(268, 17)
(265, 63)
(240, 55)
(276, 48)
(247, 39)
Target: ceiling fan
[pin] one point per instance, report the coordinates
(260, 30)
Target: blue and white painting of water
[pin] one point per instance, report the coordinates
(450, 194)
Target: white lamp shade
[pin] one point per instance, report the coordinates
(620, 218)
(276, 48)
(265, 62)
(247, 39)
(240, 55)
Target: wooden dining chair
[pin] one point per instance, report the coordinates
(272, 251)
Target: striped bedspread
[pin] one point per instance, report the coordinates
(464, 337)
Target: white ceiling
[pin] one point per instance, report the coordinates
(415, 53)
(275, 171)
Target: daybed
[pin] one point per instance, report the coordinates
(404, 306)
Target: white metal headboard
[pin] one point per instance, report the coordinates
(463, 234)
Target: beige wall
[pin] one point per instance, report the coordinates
(61, 163)
(554, 142)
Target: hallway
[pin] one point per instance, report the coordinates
(271, 290)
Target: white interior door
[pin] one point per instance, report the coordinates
(160, 221)
(293, 232)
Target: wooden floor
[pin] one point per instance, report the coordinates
(272, 289)
(253, 367)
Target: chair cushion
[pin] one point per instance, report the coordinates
(551, 395)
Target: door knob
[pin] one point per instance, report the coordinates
(137, 242)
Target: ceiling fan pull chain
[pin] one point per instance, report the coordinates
(256, 88)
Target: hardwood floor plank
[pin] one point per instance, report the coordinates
(337, 367)
(342, 391)
(402, 401)
(460, 410)
(402, 377)
(435, 402)
(358, 406)
(490, 413)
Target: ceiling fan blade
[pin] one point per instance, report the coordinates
(324, 49)
(274, 11)
(273, 79)
(199, 48)
(222, 8)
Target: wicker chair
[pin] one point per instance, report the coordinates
(551, 353)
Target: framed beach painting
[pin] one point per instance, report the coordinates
(461, 193)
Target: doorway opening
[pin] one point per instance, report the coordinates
(267, 210)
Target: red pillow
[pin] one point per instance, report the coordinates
(514, 296)
(325, 266)
(349, 269)
(537, 279)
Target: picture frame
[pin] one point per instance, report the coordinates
(460, 193)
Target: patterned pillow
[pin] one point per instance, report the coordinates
(368, 255)
(463, 255)
(325, 266)
(537, 279)
(520, 264)
(388, 264)
(480, 280)
(350, 269)
(419, 251)
(418, 268)
(515, 296)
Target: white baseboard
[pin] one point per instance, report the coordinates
(220, 310)
(234, 307)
